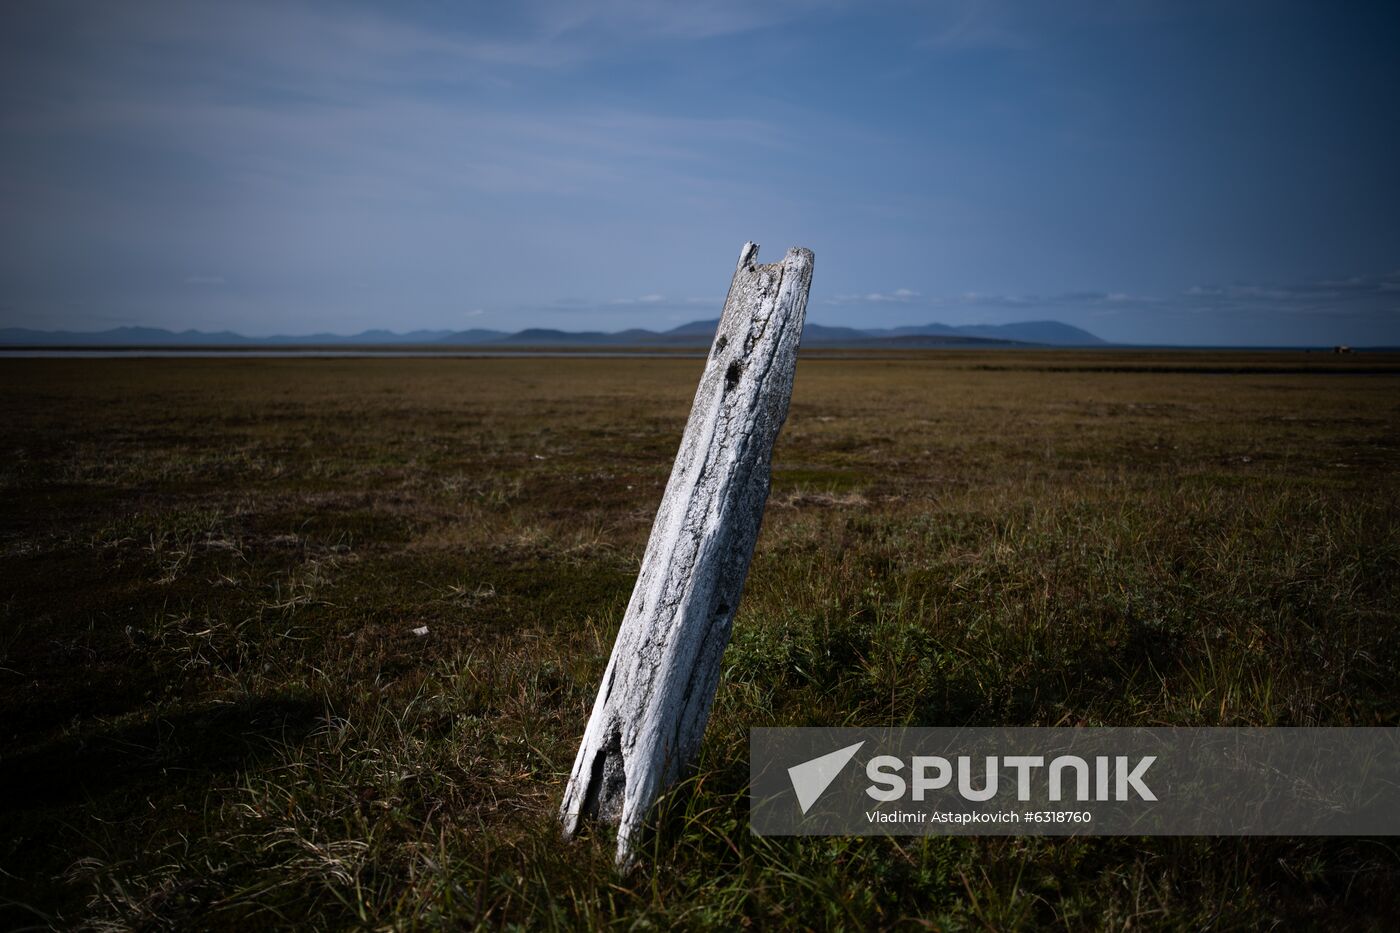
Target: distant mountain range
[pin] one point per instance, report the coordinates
(696, 333)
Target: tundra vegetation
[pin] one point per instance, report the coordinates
(313, 642)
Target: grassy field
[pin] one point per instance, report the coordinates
(214, 711)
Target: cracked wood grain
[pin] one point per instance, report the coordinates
(650, 714)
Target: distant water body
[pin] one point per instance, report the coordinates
(237, 353)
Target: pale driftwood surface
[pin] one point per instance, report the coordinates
(650, 713)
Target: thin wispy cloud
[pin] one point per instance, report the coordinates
(642, 300)
(979, 24)
(899, 295)
(1375, 296)
(647, 20)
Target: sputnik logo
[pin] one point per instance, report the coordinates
(811, 778)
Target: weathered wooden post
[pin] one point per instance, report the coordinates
(650, 714)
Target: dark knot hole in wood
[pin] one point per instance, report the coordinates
(731, 375)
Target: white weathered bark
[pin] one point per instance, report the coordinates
(650, 713)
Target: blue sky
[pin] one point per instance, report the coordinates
(1174, 172)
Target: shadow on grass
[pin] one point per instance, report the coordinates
(161, 748)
